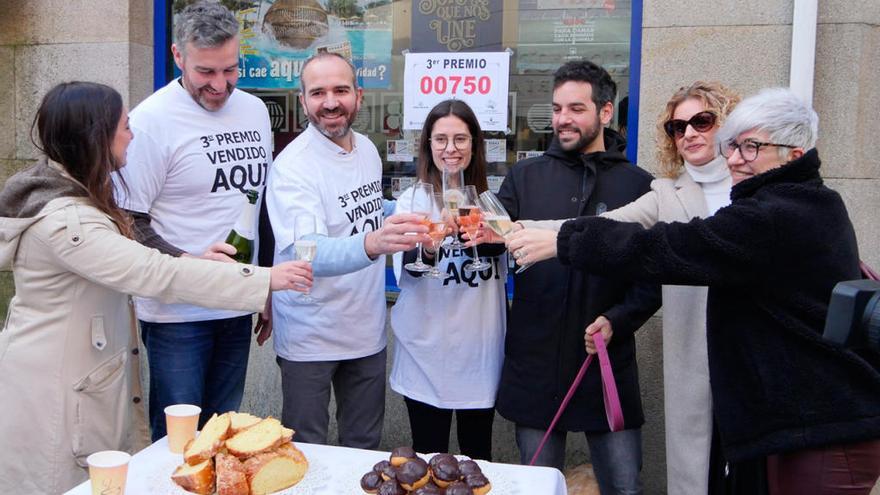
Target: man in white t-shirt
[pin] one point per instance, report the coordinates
(335, 175)
(201, 143)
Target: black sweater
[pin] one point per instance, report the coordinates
(553, 304)
(771, 260)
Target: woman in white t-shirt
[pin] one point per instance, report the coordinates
(449, 332)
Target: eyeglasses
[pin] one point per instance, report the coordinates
(701, 122)
(748, 149)
(461, 142)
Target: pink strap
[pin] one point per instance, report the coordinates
(868, 272)
(609, 392)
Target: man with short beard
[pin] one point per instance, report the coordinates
(200, 143)
(335, 175)
(582, 173)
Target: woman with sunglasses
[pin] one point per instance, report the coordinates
(694, 182)
(449, 332)
(770, 259)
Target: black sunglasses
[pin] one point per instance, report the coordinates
(701, 122)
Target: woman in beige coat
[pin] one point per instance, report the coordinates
(68, 341)
(695, 182)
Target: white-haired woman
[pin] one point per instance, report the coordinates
(770, 260)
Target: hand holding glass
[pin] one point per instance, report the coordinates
(498, 219)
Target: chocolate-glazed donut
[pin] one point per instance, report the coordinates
(440, 458)
(459, 488)
(370, 482)
(429, 489)
(478, 483)
(413, 474)
(445, 472)
(380, 466)
(468, 467)
(391, 487)
(402, 454)
(389, 472)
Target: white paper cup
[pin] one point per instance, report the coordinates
(181, 421)
(107, 472)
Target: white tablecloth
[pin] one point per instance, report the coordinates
(332, 470)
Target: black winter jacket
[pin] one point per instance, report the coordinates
(553, 304)
(771, 260)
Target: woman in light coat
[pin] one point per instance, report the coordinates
(69, 341)
(694, 183)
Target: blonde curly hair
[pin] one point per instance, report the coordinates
(715, 98)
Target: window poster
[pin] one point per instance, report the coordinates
(456, 26)
(553, 31)
(278, 36)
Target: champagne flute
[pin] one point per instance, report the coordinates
(469, 218)
(421, 203)
(498, 219)
(305, 225)
(453, 195)
(437, 233)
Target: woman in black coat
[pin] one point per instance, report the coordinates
(771, 260)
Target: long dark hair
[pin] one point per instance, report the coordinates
(76, 124)
(475, 173)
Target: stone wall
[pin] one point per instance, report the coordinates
(45, 42)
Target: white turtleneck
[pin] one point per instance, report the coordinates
(714, 180)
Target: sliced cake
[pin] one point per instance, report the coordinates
(261, 437)
(209, 441)
(273, 471)
(231, 478)
(197, 478)
(240, 421)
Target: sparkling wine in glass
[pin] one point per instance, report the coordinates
(453, 195)
(497, 218)
(305, 225)
(469, 218)
(421, 203)
(437, 232)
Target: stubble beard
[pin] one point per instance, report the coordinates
(197, 95)
(340, 132)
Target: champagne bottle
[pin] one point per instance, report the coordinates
(242, 235)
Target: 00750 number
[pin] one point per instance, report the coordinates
(442, 84)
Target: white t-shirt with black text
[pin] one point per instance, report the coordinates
(344, 192)
(449, 332)
(187, 167)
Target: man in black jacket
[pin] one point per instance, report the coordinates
(582, 173)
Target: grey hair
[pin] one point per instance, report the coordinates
(205, 24)
(778, 112)
(322, 54)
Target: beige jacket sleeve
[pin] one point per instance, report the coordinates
(644, 211)
(543, 224)
(86, 242)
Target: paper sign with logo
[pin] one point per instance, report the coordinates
(480, 79)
